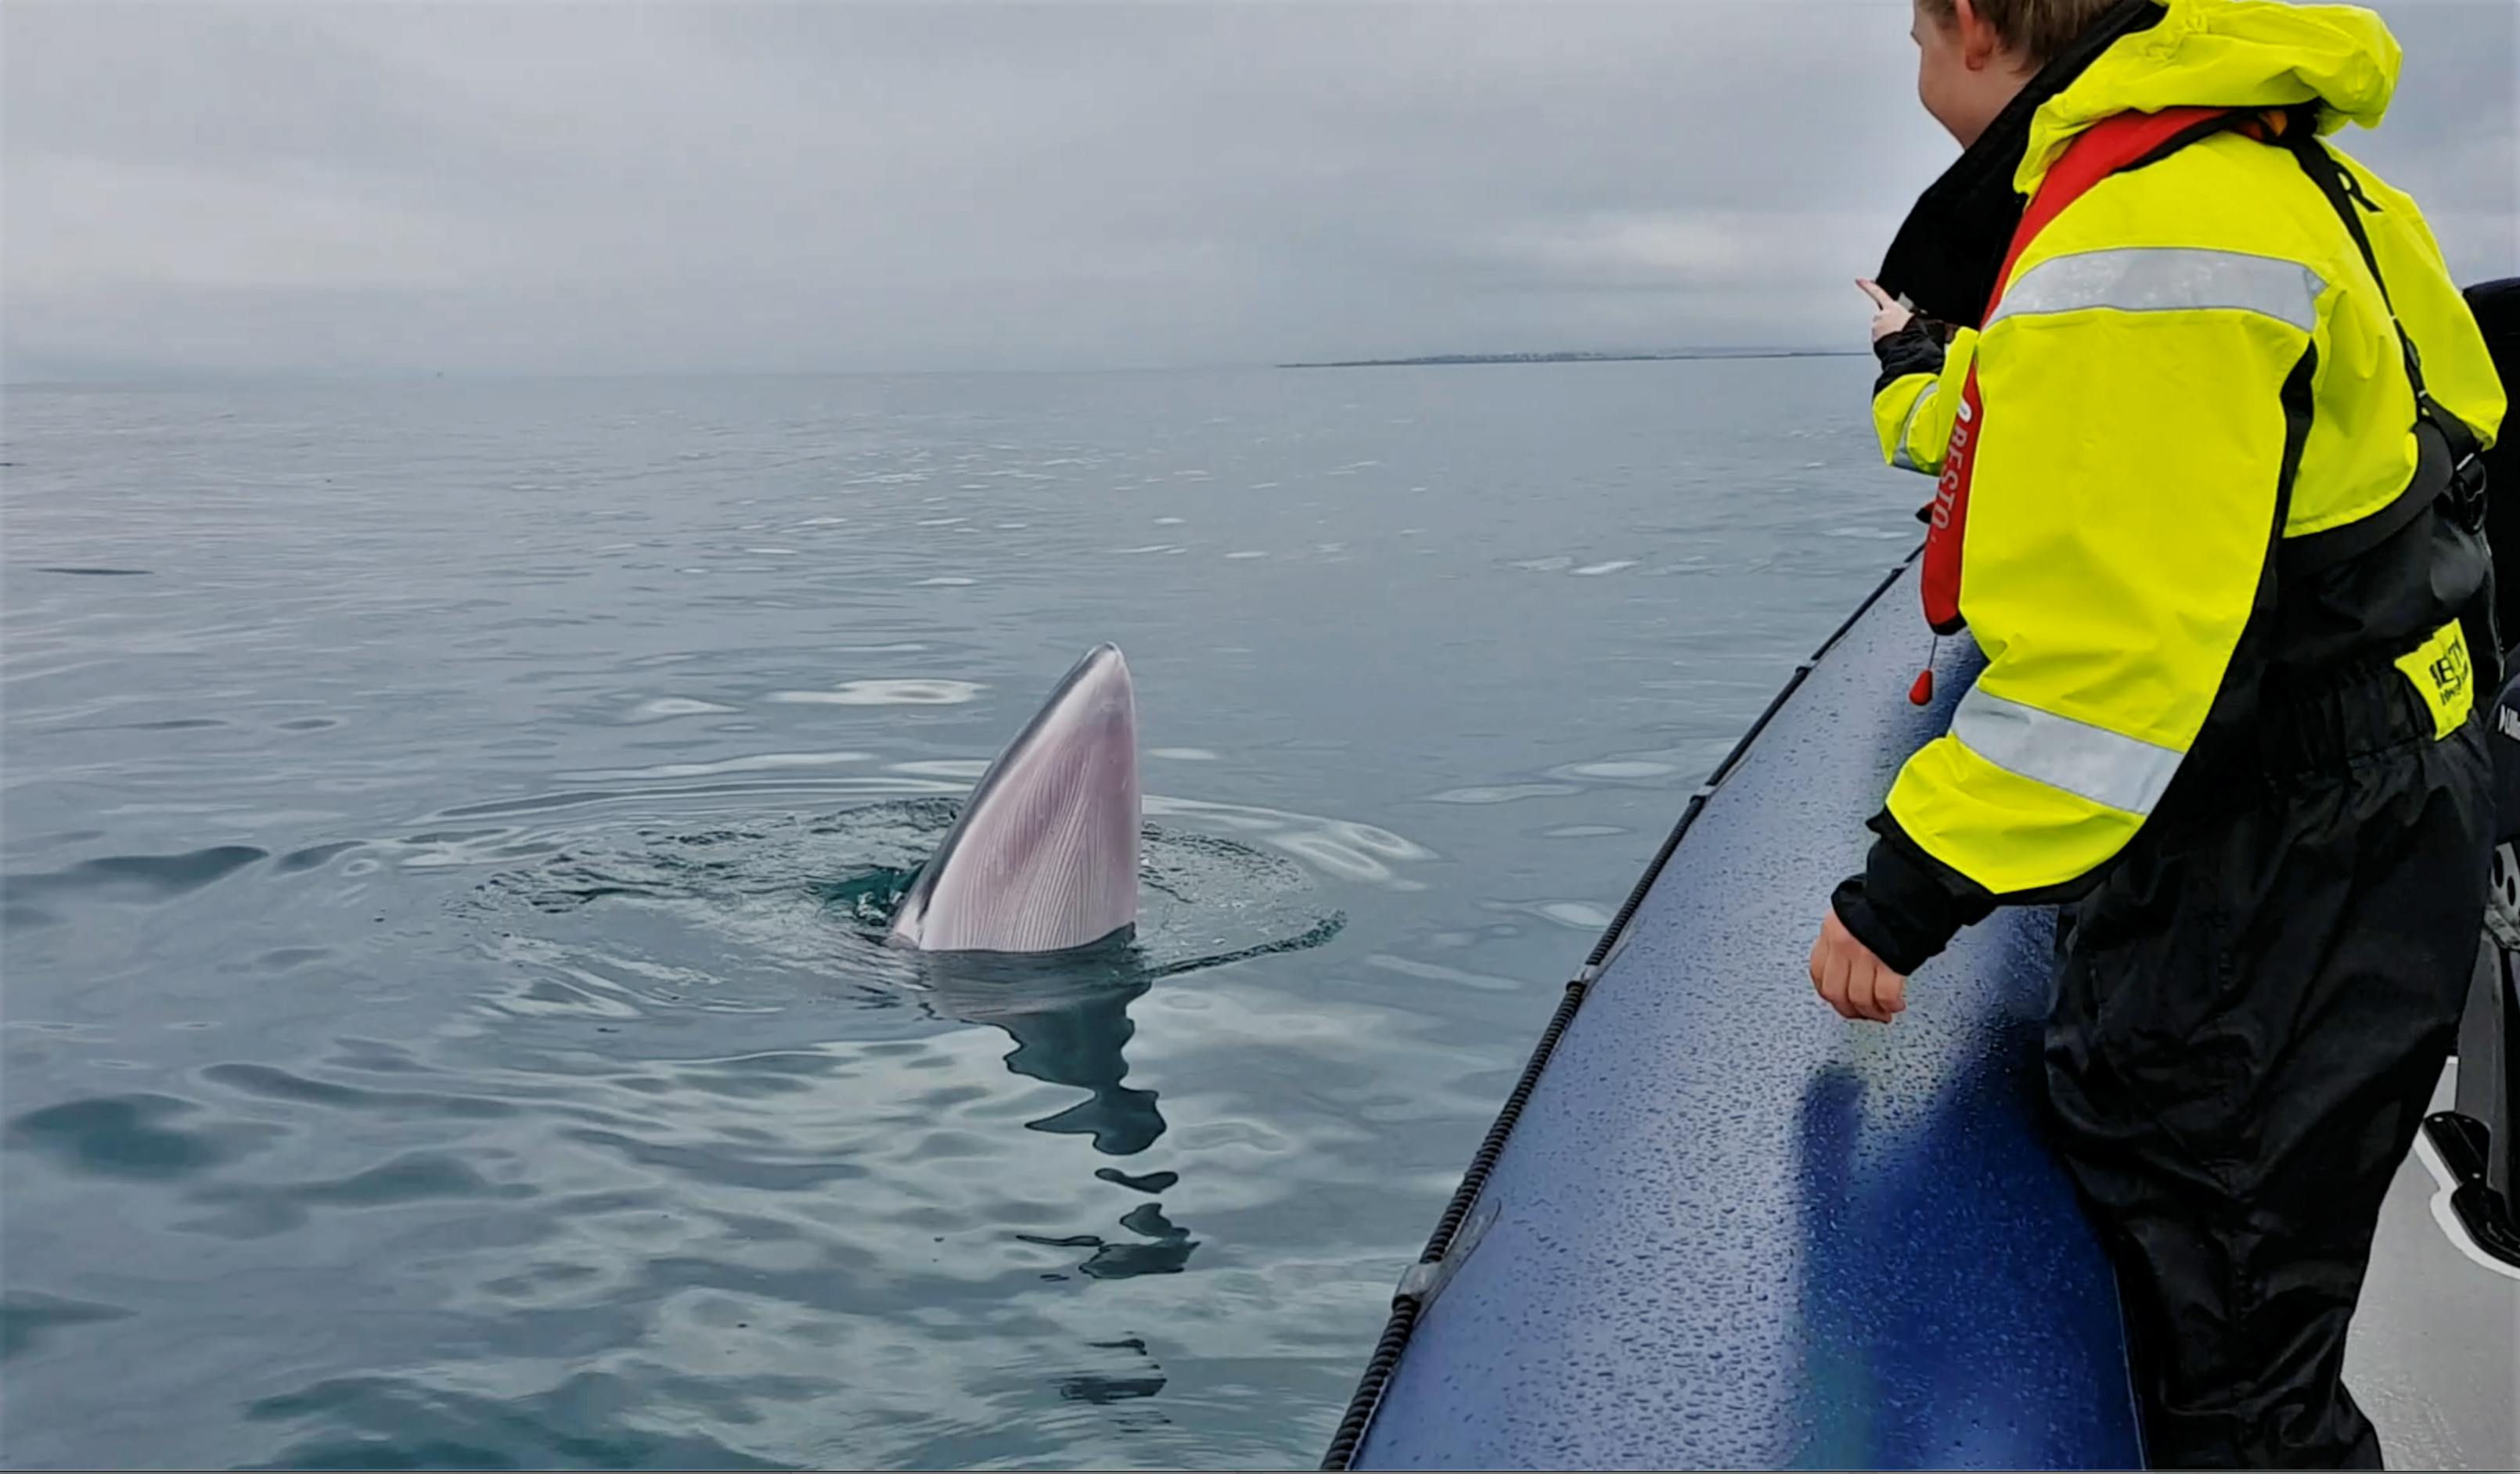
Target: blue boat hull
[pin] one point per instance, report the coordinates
(1720, 1228)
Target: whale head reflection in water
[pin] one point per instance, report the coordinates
(1069, 1017)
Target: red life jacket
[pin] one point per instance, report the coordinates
(2105, 148)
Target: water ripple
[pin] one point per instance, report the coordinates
(902, 693)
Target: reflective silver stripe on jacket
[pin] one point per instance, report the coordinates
(2166, 279)
(1903, 460)
(2106, 767)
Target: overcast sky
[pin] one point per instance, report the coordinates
(675, 187)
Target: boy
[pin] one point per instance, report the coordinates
(2216, 522)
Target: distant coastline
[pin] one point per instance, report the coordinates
(1669, 356)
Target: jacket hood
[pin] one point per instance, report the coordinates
(2228, 54)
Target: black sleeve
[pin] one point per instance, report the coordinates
(1912, 349)
(1906, 906)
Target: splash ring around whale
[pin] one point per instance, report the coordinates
(733, 900)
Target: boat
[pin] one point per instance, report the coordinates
(1716, 1226)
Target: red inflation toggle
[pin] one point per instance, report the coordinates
(1922, 692)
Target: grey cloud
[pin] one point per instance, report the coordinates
(653, 187)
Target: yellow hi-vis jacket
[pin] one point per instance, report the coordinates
(2134, 433)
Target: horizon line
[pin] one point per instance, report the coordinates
(173, 377)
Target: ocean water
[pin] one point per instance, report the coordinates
(443, 824)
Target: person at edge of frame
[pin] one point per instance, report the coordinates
(2207, 415)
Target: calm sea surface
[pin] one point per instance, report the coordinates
(443, 823)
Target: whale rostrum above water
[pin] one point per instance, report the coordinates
(1044, 856)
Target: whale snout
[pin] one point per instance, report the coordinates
(1043, 856)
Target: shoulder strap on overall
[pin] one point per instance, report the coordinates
(2461, 490)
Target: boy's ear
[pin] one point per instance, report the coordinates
(1979, 42)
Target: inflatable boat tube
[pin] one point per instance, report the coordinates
(1716, 1226)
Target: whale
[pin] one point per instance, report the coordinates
(1044, 856)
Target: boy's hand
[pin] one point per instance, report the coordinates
(1855, 982)
(1891, 317)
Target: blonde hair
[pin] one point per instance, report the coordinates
(2035, 28)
